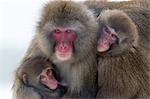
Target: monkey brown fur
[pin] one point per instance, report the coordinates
(123, 63)
(139, 12)
(98, 6)
(66, 38)
(35, 76)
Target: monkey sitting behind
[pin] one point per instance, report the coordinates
(41, 76)
(123, 68)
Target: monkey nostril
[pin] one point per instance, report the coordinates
(63, 46)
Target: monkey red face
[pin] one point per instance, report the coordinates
(64, 38)
(107, 39)
(47, 78)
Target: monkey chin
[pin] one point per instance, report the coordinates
(63, 56)
(102, 49)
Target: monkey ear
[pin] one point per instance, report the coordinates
(25, 79)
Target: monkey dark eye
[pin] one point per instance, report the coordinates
(106, 29)
(68, 31)
(113, 35)
(57, 31)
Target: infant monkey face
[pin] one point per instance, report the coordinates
(47, 78)
(117, 33)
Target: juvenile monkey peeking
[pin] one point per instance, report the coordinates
(123, 68)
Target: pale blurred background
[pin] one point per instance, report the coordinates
(17, 26)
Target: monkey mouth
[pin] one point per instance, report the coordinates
(102, 47)
(106, 46)
(63, 56)
(53, 84)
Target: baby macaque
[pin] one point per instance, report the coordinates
(40, 75)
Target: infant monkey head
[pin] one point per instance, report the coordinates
(41, 75)
(117, 33)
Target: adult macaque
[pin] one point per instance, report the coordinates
(123, 63)
(38, 75)
(66, 35)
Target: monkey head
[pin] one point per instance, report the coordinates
(66, 32)
(117, 33)
(39, 72)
